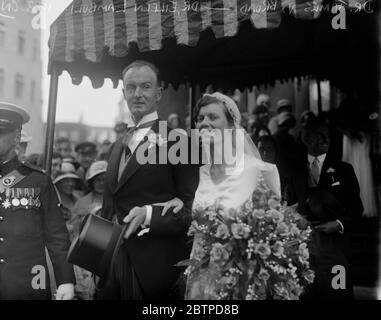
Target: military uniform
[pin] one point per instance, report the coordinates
(30, 219)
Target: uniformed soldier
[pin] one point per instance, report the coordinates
(30, 220)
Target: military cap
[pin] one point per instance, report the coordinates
(86, 147)
(12, 117)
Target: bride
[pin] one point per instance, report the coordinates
(228, 185)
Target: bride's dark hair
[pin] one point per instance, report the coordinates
(206, 100)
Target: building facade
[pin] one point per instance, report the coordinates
(78, 132)
(21, 65)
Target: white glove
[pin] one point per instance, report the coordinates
(65, 292)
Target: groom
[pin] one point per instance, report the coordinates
(144, 266)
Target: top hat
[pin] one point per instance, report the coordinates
(324, 206)
(96, 246)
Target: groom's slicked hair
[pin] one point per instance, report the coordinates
(206, 100)
(142, 63)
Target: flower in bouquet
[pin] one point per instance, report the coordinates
(193, 228)
(277, 249)
(240, 230)
(219, 253)
(222, 231)
(263, 250)
(229, 280)
(281, 292)
(283, 229)
(273, 203)
(259, 213)
(198, 252)
(294, 230)
(264, 274)
(276, 216)
(303, 253)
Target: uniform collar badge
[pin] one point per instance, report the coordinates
(9, 180)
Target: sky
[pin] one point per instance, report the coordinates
(97, 107)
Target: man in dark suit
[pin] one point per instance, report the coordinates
(145, 264)
(30, 220)
(328, 194)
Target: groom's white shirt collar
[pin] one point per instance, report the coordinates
(146, 118)
(139, 134)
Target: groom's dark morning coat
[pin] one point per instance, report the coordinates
(154, 254)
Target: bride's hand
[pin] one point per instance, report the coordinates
(176, 203)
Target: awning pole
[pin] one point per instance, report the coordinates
(192, 102)
(320, 106)
(49, 140)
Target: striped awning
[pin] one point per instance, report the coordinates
(91, 31)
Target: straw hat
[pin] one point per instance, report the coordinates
(67, 171)
(95, 169)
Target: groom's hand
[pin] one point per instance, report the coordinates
(135, 218)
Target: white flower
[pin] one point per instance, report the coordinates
(277, 249)
(222, 231)
(331, 170)
(259, 213)
(240, 230)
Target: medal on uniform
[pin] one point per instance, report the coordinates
(37, 203)
(15, 202)
(6, 204)
(24, 202)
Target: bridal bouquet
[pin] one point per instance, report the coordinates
(256, 252)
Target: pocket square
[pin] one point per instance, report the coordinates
(337, 183)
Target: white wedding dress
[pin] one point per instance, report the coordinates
(231, 193)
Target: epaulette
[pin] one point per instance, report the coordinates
(33, 167)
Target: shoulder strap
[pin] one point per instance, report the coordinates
(33, 167)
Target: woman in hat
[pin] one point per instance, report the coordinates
(92, 202)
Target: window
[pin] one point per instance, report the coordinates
(1, 81)
(2, 34)
(19, 86)
(21, 42)
(32, 92)
(35, 50)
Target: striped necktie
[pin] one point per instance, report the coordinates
(315, 171)
(129, 134)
